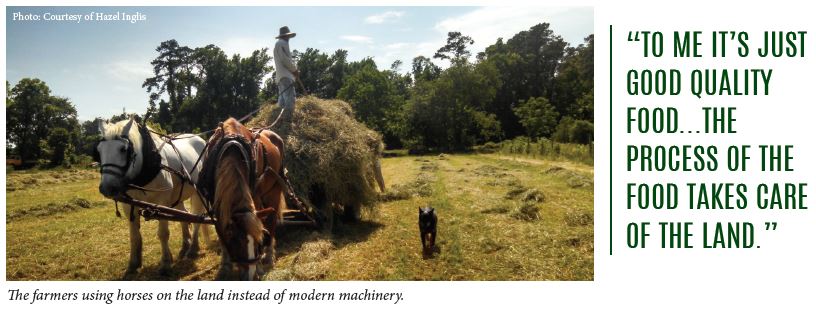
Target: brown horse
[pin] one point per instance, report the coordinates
(246, 200)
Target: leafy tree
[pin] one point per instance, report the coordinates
(511, 72)
(25, 115)
(527, 64)
(570, 130)
(582, 132)
(88, 136)
(226, 86)
(313, 66)
(164, 116)
(538, 116)
(269, 91)
(173, 75)
(423, 69)
(59, 142)
(401, 82)
(584, 107)
(446, 113)
(533, 84)
(33, 116)
(455, 50)
(374, 99)
(9, 103)
(336, 74)
(574, 85)
(541, 51)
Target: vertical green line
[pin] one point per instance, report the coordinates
(610, 140)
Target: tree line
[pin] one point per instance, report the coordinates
(533, 84)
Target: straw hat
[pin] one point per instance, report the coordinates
(285, 33)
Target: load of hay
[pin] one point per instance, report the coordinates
(329, 154)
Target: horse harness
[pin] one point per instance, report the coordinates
(151, 163)
(151, 167)
(250, 149)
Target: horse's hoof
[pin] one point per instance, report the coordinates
(192, 253)
(184, 252)
(165, 270)
(133, 267)
(223, 274)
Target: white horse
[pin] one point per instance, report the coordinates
(130, 154)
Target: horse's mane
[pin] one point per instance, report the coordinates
(114, 130)
(232, 191)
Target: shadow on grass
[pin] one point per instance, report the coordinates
(289, 240)
(432, 253)
(180, 269)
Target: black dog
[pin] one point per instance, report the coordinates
(427, 228)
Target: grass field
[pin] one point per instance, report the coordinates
(500, 218)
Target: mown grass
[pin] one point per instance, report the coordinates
(499, 219)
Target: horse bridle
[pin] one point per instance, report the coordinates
(259, 248)
(123, 169)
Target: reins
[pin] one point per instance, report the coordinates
(151, 211)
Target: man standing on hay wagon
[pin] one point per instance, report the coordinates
(286, 72)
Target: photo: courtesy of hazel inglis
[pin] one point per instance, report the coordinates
(78, 18)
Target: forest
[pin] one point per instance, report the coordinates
(533, 85)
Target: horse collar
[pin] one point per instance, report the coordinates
(151, 159)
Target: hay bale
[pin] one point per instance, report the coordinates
(490, 171)
(526, 211)
(311, 263)
(573, 179)
(532, 195)
(52, 208)
(515, 191)
(397, 192)
(429, 167)
(329, 154)
(498, 209)
(579, 217)
(421, 186)
(576, 180)
(554, 169)
(490, 245)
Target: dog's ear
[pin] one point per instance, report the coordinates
(420, 210)
(432, 209)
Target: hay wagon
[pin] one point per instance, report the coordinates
(332, 162)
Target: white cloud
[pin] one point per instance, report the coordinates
(486, 25)
(245, 45)
(383, 17)
(357, 39)
(397, 46)
(130, 71)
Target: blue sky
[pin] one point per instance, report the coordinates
(100, 65)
